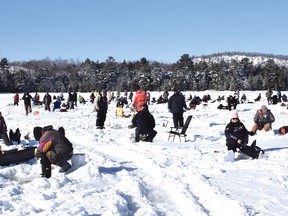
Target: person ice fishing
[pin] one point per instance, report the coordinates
(3, 131)
(139, 99)
(47, 101)
(101, 107)
(237, 137)
(27, 102)
(263, 119)
(53, 148)
(177, 105)
(144, 123)
(16, 99)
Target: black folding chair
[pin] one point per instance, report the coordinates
(180, 131)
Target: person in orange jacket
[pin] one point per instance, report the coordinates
(139, 99)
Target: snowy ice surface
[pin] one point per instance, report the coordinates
(121, 177)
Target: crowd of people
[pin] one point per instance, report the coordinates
(55, 148)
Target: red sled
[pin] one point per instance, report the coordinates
(17, 155)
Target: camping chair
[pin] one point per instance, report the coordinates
(180, 131)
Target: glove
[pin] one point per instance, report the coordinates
(242, 144)
(131, 126)
(251, 133)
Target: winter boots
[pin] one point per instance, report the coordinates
(252, 151)
(46, 166)
(142, 137)
(65, 167)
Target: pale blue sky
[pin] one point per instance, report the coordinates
(161, 30)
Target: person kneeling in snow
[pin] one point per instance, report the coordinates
(263, 119)
(54, 148)
(237, 138)
(144, 123)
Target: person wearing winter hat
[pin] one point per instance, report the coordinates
(236, 133)
(237, 137)
(144, 123)
(53, 148)
(234, 115)
(263, 119)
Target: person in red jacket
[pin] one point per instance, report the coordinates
(139, 99)
(16, 99)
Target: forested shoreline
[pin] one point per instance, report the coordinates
(223, 71)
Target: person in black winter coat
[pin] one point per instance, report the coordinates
(47, 101)
(236, 133)
(27, 102)
(232, 102)
(237, 137)
(3, 131)
(121, 101)
(144, 123)
(131, 96)
(74, 98)
(176, 105)
(101, 107)
(70, 100)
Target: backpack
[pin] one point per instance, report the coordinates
(15, 136)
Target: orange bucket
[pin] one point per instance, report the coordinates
(36, 112)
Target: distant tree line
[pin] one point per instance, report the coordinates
(188, 73)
